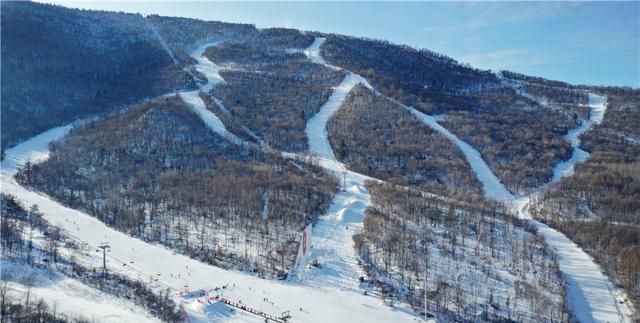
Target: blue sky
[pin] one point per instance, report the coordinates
(578, 42)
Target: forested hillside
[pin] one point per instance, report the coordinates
(60, 64)
(520, 139)
(225, 204)
(476, 262)
(182, 35)
(271, 88)
(35, 253)
(599, 206)
(413, 154)
(220, 158)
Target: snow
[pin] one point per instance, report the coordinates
(566, 168)
(35, 150)
(592, 297)
(590, 293)
(209, 118)
(212, 72)
(70, 296)
(316, 128)
(208, 68)
(201, 311)
(313, 53)
(333, 245)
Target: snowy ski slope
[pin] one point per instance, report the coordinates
(310, 300)
(212, 72)
(592, 297)
(319, 303)
(330, 294)
(598, 106)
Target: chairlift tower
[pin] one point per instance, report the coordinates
(104, 246)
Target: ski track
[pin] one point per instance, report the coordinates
(212, 72)
(163, 43)
(591, 296)
(328, 295)
(566, 168)
(319, 302)
(332, 237)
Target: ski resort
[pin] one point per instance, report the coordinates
(219, 172)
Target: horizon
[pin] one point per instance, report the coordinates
(562, 41)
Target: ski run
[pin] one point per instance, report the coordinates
(592, 298)
(328, 294)
(212, 73)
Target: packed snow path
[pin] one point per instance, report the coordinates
(493, 187)
(319, 303)
(212, 73)
(598, 106)
(332, 236)
(592, 297)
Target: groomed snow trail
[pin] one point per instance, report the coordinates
(319, 303)
(566, 168)
(212, 72)
(493, 187)
(332, 236)
(591, 296)
(309, 301)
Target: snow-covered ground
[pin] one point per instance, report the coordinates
(212, 73)
(308, 303)
(164, 44)
(598, 105)
(492, 186)
(332, 236)
(591, 296)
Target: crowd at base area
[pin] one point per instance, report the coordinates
(238, 305)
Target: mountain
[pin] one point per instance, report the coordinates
(175, 169)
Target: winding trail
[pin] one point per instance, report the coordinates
(212, 73)
(591, 296)
(566, 168)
